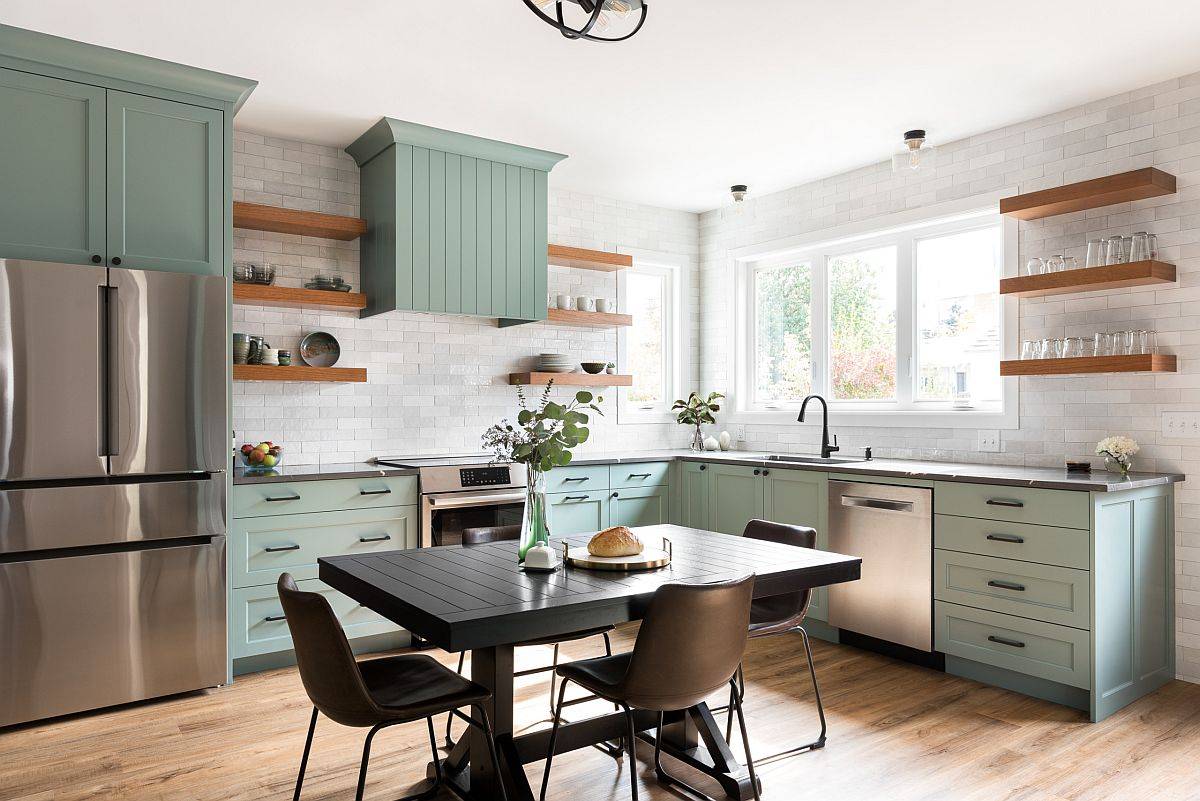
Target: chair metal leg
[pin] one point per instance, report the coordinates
(312, 727)
(746, 742)
(366, 757)
(632, 745)
(562, 691)
(666, 779)
(433, 748)
(462, 660)
(489, 734)
(740, 691)
(553, 677)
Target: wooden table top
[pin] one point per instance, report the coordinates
(460, 598)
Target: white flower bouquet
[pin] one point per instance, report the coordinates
(1118, 451)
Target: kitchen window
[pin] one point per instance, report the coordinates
(648, 350)
(899, 323)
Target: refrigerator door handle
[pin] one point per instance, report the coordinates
(109, 351)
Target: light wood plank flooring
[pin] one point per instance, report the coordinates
(896, 732)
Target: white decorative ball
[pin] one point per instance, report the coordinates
(725, 440)
(711, 444)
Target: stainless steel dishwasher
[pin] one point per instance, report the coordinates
(890, 527)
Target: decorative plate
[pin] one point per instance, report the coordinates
(320, 349)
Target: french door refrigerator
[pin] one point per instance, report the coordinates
(113, 440)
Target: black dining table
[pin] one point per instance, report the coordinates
(477, 598)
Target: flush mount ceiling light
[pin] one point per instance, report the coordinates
(592, 20)
(915, 155)
(736, 211)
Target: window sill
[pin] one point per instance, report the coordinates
(883, 418)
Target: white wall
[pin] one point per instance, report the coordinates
(435, 382)
(1060, 418)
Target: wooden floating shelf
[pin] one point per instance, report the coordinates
(261, 295)
(263, 372)
(601, 319)
(1120, 188)
(572, 379)
(295, 221)
(1089, 279)
(585, 259)
(1140, 363)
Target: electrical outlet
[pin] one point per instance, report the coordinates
(989, 441)
(1181, 425)
(739, 433)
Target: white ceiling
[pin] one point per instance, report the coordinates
(712, 92)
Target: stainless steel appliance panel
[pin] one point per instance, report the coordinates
(84, 632)
(890, 527)
(445, 515)
(167, 372)
(104, 514)
(51, 374)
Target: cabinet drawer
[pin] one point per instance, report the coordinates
(1062, 508)
(289, 498)
(1047, 545)
(260, 628)
(263, 547)
(1057, 653)
(641, 474)
(1043, 592)
(585, 477)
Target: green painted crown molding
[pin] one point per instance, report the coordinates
(41, 53)
(388, 131)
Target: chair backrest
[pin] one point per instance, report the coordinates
(327, 666)
(485, 534)
(783, 611)
(690, 644)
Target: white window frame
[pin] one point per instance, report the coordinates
(672, 269)
(816, 248)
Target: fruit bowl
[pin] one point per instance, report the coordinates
(263, 456)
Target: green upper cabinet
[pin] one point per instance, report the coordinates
(51, 169)
(456, 224)
(165, 187)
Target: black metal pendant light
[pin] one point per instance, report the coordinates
(597, 16)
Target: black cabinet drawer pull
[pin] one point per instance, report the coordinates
(1012, 538)
(274, 618)
(282, 548)
(576, 497)
(575, 478)
(1006, 585)
(381, 538)
(1006, 641)
(640, 475)
(282, 498)
(375, 492)
(1006, 502)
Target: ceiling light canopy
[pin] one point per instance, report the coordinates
(915, 155)
(593, 20)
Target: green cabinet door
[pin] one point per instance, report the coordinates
(695, 503)
(643, 506)
(800, 498)
(737, 497)
(51, 169)
(165, 185)
(577, 513)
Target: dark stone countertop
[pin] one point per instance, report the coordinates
(316, 472)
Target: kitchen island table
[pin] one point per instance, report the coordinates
(477, 598)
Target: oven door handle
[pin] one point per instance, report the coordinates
(460, 501)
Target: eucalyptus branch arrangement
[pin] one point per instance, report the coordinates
(544, 435)
(696, 411)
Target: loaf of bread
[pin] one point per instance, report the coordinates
(615, 541)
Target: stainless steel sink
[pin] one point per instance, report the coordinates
(787, 457)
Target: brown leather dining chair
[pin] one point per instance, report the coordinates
(483, 535)
(778, 615)
(374, 693)
(671, 668)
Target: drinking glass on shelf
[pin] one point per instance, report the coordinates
(1152, 246)
(1072, 347)
(1054, 264)
(1070, 263)
(1139, 247)
(1095, 253)
(1029, 349)
(1126, 246)
(1112, 250)
(1052, 348)
(1103, 343)
(1126, 343)
(1035, 266)
(1147, 341)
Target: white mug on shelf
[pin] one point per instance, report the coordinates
(585, 303)
(270, 356)
(605, 306)
(565, 302)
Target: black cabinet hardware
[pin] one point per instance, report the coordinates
(1006, 585)
(766, 472)
(1005, 502)
(616, 495)
(758, 472)
(282, 548)
(1006, 641)
(703, 467)
(640, 475)
(382, 538)
(274, 618)
(97, 258)
(282, 498)
(575, 478)
(116, 260)
(576, 497)
(1013, 538)
(375, 492)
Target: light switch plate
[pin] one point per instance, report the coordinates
(739, 433)
(1181, 425)
(989, 440)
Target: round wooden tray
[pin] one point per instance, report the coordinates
(649, 559)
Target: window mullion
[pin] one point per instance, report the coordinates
(906, 341)
(819, 323)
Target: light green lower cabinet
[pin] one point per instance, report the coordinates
(736, 494)
(800, 498)
(577, 512)
(1040, 592)
(258, 626)
(642, 506)
(695, 496)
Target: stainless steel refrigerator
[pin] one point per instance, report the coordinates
(113, 443)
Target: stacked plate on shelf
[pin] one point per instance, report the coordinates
(554, 363)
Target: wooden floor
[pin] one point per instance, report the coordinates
(896, 732)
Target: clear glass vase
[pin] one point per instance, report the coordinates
(697, 440)
(1122, 467)
(534, 529)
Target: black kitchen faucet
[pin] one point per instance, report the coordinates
(826, 448)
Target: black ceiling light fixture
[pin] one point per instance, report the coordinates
(592, 19)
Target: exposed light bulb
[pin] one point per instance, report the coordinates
(739, 192)
(915, 155)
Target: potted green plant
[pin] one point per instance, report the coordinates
(541, 440)
(696, 411)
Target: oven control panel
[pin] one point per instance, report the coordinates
(484, 476)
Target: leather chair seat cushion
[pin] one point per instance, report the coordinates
(602, 675)
(412, 686)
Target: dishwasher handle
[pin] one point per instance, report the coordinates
(877, 503)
